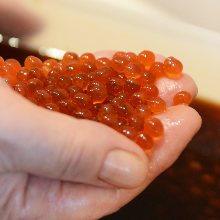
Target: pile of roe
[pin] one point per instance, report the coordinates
(120, 92)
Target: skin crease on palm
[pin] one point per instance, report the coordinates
(53, 166)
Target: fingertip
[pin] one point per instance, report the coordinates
(179, 118)
(104, 53)
(195, 116)
(190, 85)
(169, 87)
(181, 123)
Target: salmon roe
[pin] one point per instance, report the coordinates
(120, 92)
(102, 61)
(153, 127)
(31, 62)
(173, 68)
(182, 97)
(146, 58)
(70, 57)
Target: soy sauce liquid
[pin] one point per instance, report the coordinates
(190, 189)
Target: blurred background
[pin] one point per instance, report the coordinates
(187, 30)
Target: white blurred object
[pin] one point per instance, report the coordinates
(171, 27)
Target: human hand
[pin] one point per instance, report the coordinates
(17, 20)
(53, 166)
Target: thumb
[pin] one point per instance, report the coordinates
(49, 144)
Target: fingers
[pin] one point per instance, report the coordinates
(37, 141)
(168, 87)
(17, 20)
(181, 123)
(95, 202)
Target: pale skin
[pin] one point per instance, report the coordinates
(53, 166)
